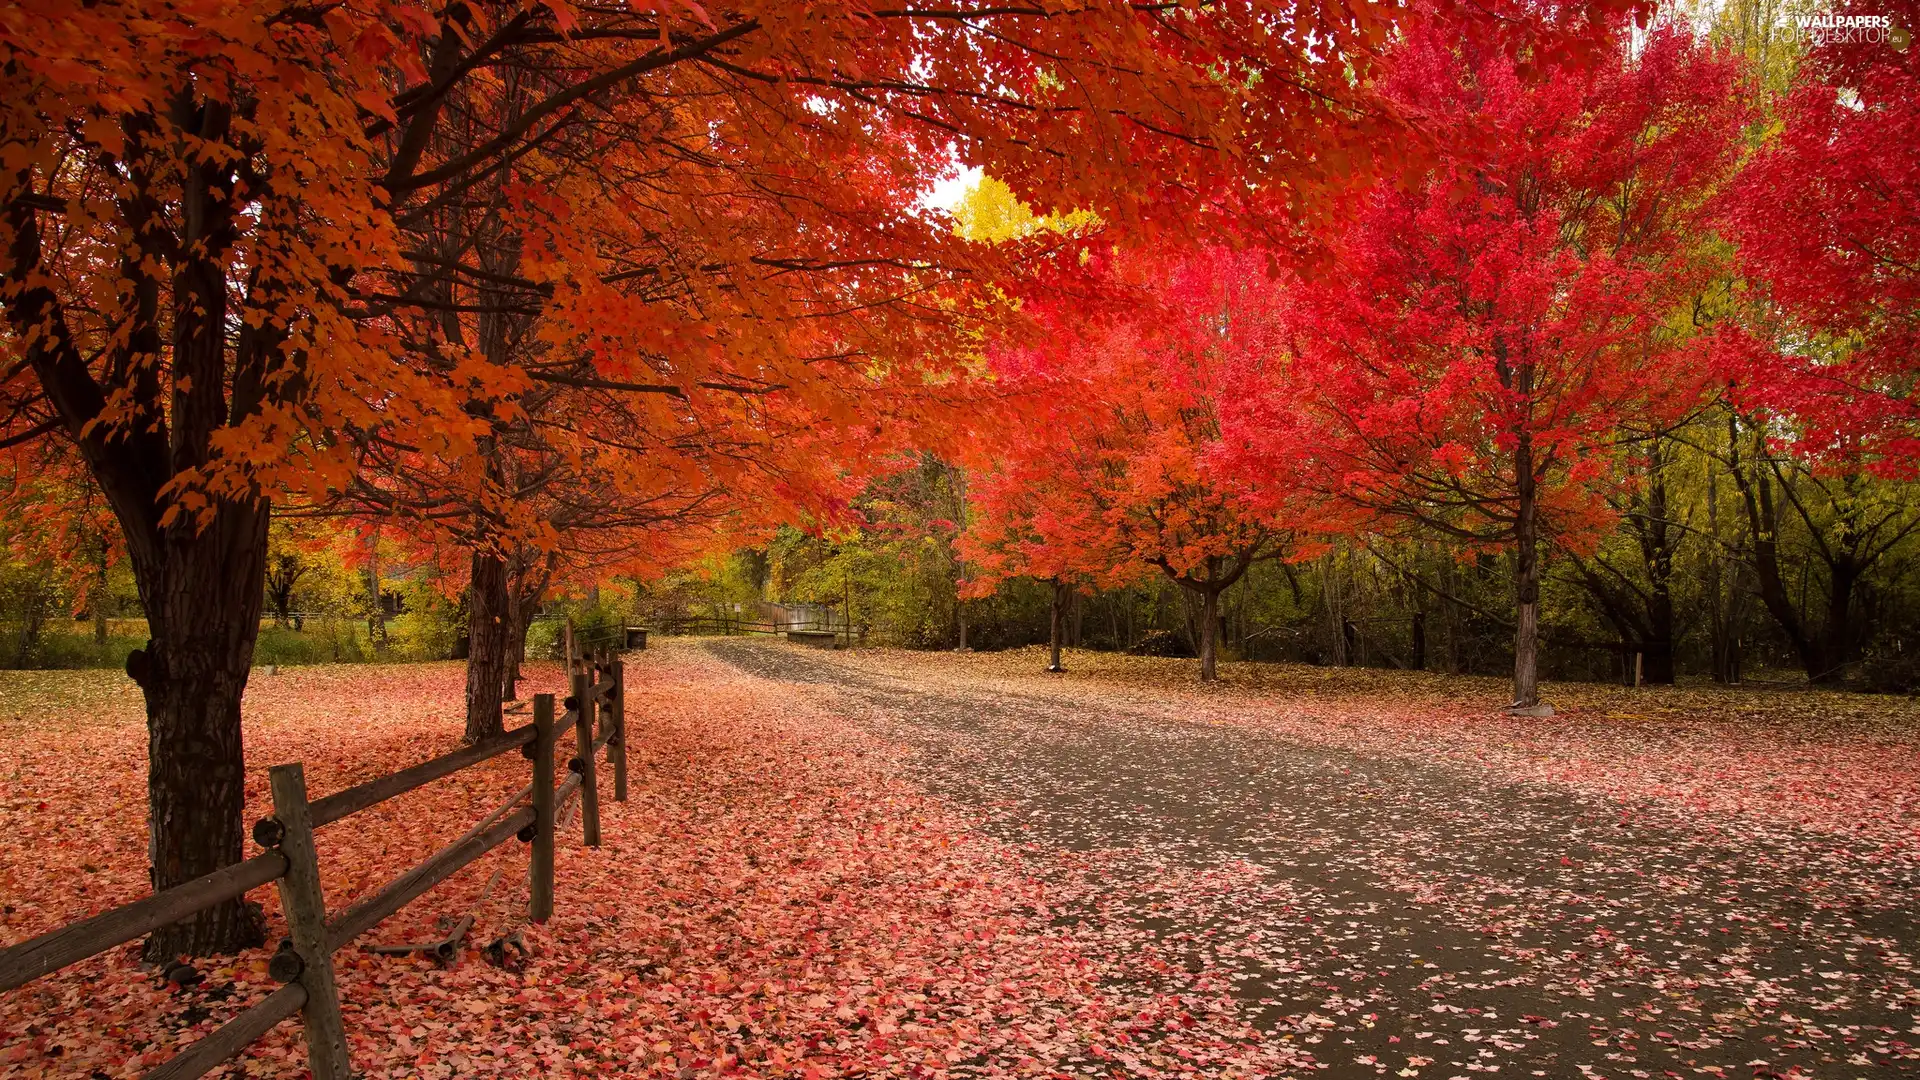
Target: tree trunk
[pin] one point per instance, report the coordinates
(518, 629)
(1419, 641)
(1055, 618)
(1526, 630)
(97, 605)
(1719, 607)
(1656, 543)
(377, 612)
(516, 645)
(1209, 634)
(203, 602)
(1836, 637)
(1336, 622)
(1763, 523)
(201, 573)
(488, 634)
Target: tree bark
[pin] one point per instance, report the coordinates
(1336, 622)
(488, 635)
(1526, 630)
(1056, 616)
(203, 601)
(200, 574)
(1836, 638)
(97, 599)
(1209, 634)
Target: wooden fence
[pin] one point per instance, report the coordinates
(596, 712)
(732, 626)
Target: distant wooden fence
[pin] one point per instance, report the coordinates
(304, 962)
(728, 626)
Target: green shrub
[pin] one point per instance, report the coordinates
(325, 640)
(58, 649)
(542, 636)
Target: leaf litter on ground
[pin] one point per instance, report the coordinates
(773, 900)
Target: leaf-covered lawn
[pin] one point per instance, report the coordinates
(774, 900)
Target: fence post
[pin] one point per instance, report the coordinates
(540, 873)
(306, 910)
(583, 753)
(619, 741)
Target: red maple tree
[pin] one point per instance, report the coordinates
(1827, 217)
(1483, 338)
(1107, 465)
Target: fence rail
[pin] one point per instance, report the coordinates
(305, 960)
(728, 626)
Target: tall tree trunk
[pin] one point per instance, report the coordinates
(1756, 493)
(1836, 637)
(1056, 617)
(377, 612)
(516, 645)
(200, 573)
(488, 634)
(1336, 620)
(1719, 608)
(203, 602)
(1656, 541)
(1419, 641)
(1209, 634)
(1526, 630)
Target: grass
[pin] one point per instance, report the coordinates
(326, 640)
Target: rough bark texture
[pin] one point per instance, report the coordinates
(1526, 629)
(490, 633)
(203, 602)
(1209, 634)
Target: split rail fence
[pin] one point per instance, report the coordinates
(595, 711)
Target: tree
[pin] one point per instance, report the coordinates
(1106, 464)
(1851, 524)
(1827, 218)
(1485, 337)
(1631, 580)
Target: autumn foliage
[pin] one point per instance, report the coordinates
(545, 292)
(1114, 383)
(1489, 338)
(1827, 215)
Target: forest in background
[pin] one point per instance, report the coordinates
(1682, 583)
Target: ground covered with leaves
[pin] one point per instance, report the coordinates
(775, 899)
(1407, 882)
(895, 864)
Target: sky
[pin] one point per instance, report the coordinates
(945, 193)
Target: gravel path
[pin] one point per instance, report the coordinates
(1408, 919)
